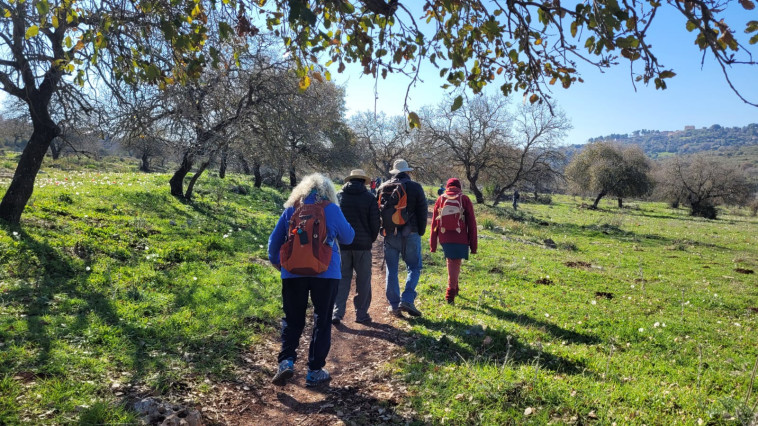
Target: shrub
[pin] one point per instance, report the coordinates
(488, 223)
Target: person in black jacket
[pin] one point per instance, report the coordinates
(362, 212)
(405, 243)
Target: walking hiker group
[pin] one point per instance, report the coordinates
(323, 237)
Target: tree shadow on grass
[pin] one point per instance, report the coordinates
(93, 322)
(471, 346)
(528, 321)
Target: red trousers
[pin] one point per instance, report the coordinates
(453, 272)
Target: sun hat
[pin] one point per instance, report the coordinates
(400, 166)
(453, 182)
(357, 174)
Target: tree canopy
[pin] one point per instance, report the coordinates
(524, 46)
(604, 168)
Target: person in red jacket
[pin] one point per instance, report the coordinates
(454, 225)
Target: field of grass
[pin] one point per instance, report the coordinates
(637, 316)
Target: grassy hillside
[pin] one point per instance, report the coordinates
(641, 316)
(113, 287)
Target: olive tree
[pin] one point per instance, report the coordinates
(605, 168)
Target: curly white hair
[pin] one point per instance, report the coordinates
(316, 181)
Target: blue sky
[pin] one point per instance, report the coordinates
(607, 102)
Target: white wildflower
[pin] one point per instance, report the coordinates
(641, 329)
(87, 268)
(594, 302)
(194, 278)
(547, 315)
(657, 324)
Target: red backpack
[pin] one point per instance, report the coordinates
(450, 215)
(306, 252)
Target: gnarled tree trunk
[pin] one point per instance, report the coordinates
(145, 163)
(222, 166)
(21, 187)
(597, 200)
(177, 180)
(257, 174)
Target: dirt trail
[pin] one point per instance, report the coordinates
(361, 391)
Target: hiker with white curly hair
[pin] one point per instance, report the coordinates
(304, 247)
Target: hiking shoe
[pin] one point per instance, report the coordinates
(336, 320)
(364, 320)
(408, 307)
(395, 312)
(316, 377)
(285, 371)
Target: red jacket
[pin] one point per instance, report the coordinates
(468, 233)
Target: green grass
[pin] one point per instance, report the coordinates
(112, 287)
(654, 326)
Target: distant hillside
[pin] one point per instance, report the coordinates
(657, 143)
(735, 145)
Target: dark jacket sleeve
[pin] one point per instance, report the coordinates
(373, 218)
(420, 208)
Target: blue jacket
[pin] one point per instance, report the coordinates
(337, 229)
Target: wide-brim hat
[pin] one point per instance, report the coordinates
(400, 166)
(357, 174)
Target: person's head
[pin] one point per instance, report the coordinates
(453, 182)
(316, 183)
(400, 166)
(357, 175)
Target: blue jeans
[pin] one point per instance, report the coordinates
(410, 250)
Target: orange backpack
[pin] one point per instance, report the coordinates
(306, 252)
(393, 207)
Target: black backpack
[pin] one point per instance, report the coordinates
(393, 206)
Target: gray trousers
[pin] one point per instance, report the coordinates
(360, 261)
